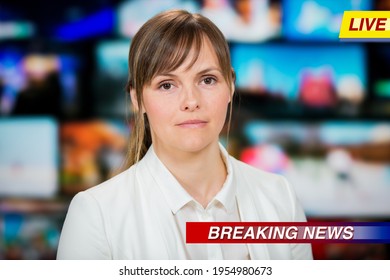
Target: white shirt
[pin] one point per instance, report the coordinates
(129, 217)
(222, 208)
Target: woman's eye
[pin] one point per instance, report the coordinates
(209, 80)
(166, 86)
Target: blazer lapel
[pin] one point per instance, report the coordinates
(250, 212)
(161, 216)
(167, 227)
(255, 206)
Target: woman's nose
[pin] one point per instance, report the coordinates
(191, 100)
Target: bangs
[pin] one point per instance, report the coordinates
(172, 50)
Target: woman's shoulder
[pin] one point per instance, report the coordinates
(113, 189)
(269, 189)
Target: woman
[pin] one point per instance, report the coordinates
(181, 84)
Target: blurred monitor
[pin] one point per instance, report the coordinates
(91, 152)
(101, 22)
(28, 157)
(38, 84)
(338, 168)
(380, 71)
(241, 21)
(29, 237)
(13, 25)
(245, 20)
(382, 5)
(110, 78)
(314, 76)
(317, 20)
(15, 30)
(132, 14)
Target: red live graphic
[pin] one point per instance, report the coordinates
(369, 24)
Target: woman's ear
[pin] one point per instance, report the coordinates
(233, 76)
(134, 100)
(232, 86)
(232, 92)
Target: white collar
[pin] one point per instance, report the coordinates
(175, 195)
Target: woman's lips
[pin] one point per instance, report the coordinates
(192, 124)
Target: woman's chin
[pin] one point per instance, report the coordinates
(194, 145)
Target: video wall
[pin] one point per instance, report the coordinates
(288, 61)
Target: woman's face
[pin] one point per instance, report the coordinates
(187, 107)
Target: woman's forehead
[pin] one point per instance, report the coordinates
(200, 57)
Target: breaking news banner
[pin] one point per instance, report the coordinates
(309, 232)
(369, 26)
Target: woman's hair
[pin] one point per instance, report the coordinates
(161, 45)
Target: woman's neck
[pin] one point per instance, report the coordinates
(201, 174)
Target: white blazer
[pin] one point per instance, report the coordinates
(127, 216)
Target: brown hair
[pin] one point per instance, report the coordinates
(162, 44)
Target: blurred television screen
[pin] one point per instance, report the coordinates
(15, 30)
(240, 21)
(338, 168)
(380, 59)
(317, 20)
(82, 25)
(132, 14)
(38, 84)
(245, 20)
(14, 25)
(319, 77)
(92, 152)
(28, 157)
(110, 78)
(29, 237)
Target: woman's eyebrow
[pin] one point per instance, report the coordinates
(209, 69)
(166, 74)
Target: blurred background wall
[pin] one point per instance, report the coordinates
(306, 106)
